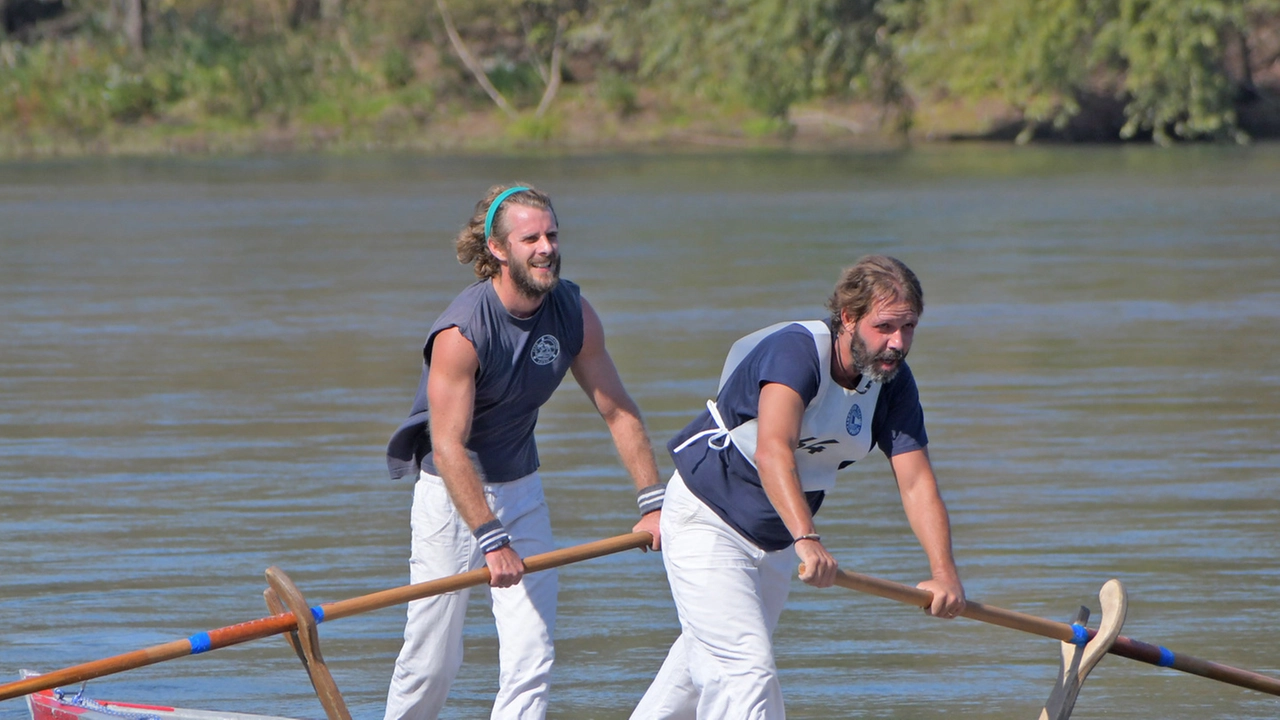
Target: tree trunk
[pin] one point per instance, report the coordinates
(135, 25)
(470, 61)
(553, 75)
(302, 12)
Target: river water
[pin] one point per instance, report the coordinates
(201, 360)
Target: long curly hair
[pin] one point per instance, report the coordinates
(472, 245)
(872, 279)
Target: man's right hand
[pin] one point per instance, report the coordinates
(505, 567)
(819, 567)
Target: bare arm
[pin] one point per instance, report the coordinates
(595, 372)
(777, 436)
(451, 390)
(929, 521)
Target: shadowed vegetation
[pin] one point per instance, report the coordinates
(212, 74)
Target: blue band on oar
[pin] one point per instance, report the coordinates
(1079, 635)
(200, 642)
(493, 208)
(317, 612)
(1166, 657)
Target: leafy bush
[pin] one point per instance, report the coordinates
(518, 82)
(768, 53)
(617, 93)
(1165, 60)
(530, 129)
(129, 96)
(397, 67)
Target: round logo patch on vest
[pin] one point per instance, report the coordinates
(545, 350)
(853, 423)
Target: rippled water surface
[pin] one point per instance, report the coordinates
(201, 360)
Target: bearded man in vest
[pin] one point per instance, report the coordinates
(796, 403)
(490, 361)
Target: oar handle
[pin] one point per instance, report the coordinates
(1123, 646)
(276, 624)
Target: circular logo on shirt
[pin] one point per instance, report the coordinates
(545, 349)
(853, 423)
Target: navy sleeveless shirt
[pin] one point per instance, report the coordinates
(522, 362)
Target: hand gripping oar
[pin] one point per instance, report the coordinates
(276, 624)
(1123, 646)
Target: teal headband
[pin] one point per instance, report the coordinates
(493, 208)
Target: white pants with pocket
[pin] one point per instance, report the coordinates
(729, 595)
(525, 613)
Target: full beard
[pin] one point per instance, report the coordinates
(870, 366)
(529, 286)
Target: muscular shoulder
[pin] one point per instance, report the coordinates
(788, 357)
(463, 313)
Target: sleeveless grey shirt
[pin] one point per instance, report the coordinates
(522, 362)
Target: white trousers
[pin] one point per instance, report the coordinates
(525, 613)
(729, 595)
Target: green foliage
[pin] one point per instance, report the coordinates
(518, 82)
(129, 96)
(1174, 55)
(761, 127)
(58, 87)
(618, 93)
(1032, 52)
(1164, 59)
(246, 64)
(397, 67)
(530, 129)
(204, 68)
(769, 53)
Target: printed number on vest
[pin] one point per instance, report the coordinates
(808, 445)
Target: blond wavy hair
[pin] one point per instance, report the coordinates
(472, 245)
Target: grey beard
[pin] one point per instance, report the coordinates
(868, 364)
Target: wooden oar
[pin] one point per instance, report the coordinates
(1079, 660)
(276, 624)
(1123, 646)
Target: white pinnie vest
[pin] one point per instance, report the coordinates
(835, 430)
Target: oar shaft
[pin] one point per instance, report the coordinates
(534, 563)
(1123, 646)
(276, 624)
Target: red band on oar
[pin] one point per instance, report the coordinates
(276, 624)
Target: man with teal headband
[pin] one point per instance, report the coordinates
(490, 361)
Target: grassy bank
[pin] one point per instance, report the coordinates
(312, 92)
(237, 76)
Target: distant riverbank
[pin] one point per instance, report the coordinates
(577, 126)
(197, 77)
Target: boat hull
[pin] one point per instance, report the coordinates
(57, 705)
